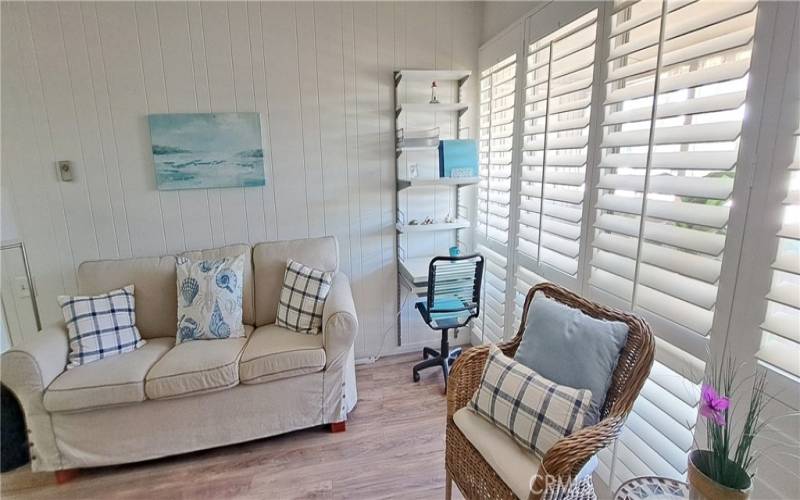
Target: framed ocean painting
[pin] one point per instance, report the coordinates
(207, 150)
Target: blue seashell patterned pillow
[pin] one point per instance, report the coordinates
(210, 298)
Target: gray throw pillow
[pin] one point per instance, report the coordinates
(571, 348)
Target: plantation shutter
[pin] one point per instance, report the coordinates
(496, 148)
(558, 97)
(662, 202)
(489, 326)
(780, 331)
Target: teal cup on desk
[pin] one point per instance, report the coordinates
(454, 252)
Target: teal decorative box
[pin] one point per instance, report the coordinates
(458, 158)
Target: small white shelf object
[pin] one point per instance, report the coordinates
(436, 226)
(419, 132)
(437, 181)
(417, 140)
(426, 75)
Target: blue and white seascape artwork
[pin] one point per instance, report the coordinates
(207, 150)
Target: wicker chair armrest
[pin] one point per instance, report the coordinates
(465, 375)
(464, 378)
(566, 458)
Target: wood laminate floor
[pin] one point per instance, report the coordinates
(393, 448)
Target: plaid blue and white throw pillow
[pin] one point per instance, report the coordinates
(210, 298)
(536, 412)
(100, 326)
(302, 298)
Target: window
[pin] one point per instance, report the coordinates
(622, 189)
(676, 84)
(497, 94)
(558, 96)
(554, 152)
(780, 331)
(495, 149)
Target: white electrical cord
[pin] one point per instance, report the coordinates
(386, 332)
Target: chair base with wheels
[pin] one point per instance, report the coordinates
(443, 358)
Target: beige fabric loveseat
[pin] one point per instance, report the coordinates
(164, 399)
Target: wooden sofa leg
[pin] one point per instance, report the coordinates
(338, 426)
(66, 475)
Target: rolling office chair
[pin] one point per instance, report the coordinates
(453, 299)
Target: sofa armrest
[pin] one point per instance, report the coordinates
(28, 369)
(339, 321)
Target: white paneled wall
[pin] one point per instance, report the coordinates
(79, 79)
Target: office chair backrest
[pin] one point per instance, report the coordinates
(454, 284)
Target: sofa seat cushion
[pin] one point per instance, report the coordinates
(196, 367)
(273, 352)
(111, 381)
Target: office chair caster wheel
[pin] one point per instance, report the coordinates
(416, 377)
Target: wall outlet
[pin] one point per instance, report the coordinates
(21, 288)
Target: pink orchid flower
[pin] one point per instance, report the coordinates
(712, 405)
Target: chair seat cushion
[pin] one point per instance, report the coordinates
(196, 367)
(515, 466)
(274, 352)
(110, 381)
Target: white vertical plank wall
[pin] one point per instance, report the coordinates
(80, 79)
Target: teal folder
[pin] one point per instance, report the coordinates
(458, 158)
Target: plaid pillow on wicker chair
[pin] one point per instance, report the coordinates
(533, 410)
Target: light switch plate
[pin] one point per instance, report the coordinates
(65, 170)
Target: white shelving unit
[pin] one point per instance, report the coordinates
(427, 194)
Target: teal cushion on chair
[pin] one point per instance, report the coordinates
(449, 302)
(571, 348)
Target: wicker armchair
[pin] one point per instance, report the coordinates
(476, 479)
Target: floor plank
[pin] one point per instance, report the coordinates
(393, 448)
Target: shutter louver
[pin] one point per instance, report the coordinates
(780, 331)
(560, 73)
(663, 194)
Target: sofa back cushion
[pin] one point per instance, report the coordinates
(248, 314)
(269, 266)
(154, 289)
